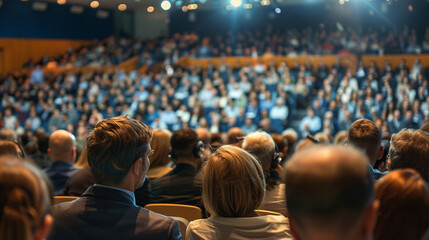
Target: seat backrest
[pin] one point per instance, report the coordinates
(188, 212)
(183, 223)
(261, 212)
(62, 199)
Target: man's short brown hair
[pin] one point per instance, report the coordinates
(114, 145)
(410, 149)
(365, 135)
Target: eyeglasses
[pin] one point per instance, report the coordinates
(150, 154)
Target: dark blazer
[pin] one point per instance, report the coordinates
(105, 213)
(182, 185)
(79, 182)
(59, 173)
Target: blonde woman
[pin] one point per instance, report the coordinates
(159, 161)
(233, 188)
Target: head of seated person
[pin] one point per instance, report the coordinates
(11, 147)
(404, 206)
(410, 149)
(365, 135)
(233, 183)
(330, 194)
(24, 201)
(117, 150)
(186, 148)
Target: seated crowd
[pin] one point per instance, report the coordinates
(314, 191)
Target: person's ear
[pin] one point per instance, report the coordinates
(380, 152)
(43, 231)
(389, 165)
(137, 166)
(49, 153)
(370, 219)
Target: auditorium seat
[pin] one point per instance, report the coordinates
(188, 212)
(62, 199)
(261, 212)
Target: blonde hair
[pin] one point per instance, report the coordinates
(82, 161)
(161, 147)
(233, 183)
(24, 199)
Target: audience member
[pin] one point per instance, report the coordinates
(262, 146)
(410, 149)
(183, 184)
(330, 194)
(404, 206)
(24, 201)
(7, 134)
(118, 154)
(159, 161)
(10, 147)
(366, 136)
(41, 157)
(235, 135)
(233, 188)
(62, 151)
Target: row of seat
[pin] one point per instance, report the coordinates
(180, 212)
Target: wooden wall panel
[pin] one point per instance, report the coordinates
(18, 51)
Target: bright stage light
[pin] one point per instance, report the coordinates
(122, 7)
(165, 5)
(150, 9)
(61, 2)
(278, 10)
(236, 3)
(94, 4)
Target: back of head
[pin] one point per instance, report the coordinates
(365, 135)
(8, 134)
(113, 147)
(235, 135)
(43, 142)
(328, 189)
(262, 145)
(410, 149)
(425, 127)
(11, 147)
(233, 183)
(62, 146)
(203, 134)
(161, 145)
(24, 199)
(404, 205)
(183, 142)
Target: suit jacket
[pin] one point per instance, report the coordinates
(105, 213)
(79, 182)
(59, 173)
(182, 185)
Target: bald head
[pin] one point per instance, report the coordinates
(328, 190)
(62, 146)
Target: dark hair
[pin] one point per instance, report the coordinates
(43, 142)
(183, 142)
(404, 206)
(410, 149)
(365, 135)
(113, 147)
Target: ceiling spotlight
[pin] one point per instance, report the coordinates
(94, 4)
(236, 3)
(150, 9)
(265, 2)
(278, 10)
(122, 7)
(247, 6)
(184, 8)
(61, 2)
(165, 5)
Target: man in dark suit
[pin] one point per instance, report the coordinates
(118, 155)
(62, 151)
(183, 184)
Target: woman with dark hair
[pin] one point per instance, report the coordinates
(24, 201)
(404, 206)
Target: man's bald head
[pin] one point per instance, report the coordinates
(235, 135)
(328, 190)
(62, 146)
